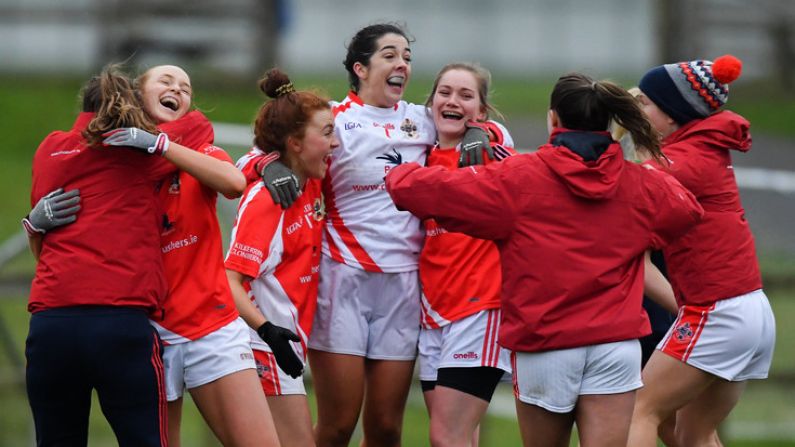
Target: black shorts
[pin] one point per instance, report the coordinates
(479, 382)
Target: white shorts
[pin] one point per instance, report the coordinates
(199, 362)
(276, 382)
(553, 380)
(732, 339)
(369, 314)
(467, 343)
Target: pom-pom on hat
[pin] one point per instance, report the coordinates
(691, 90)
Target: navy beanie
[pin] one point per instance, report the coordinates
(691, 90)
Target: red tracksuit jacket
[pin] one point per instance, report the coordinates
(716, 259)
(571, 234)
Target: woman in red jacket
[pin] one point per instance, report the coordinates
(725, 330)
(207, 349)
(571, 282)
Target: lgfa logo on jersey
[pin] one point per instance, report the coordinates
(350, 125)
(683, 333)
(393, 159)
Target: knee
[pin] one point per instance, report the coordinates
(334, 436)
(701, 438)
(386, 435)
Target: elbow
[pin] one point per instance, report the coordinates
(235, 185)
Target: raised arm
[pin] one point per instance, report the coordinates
(472, 200)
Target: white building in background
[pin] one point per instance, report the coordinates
(508, 36)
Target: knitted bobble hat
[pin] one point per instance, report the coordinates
(691, 90)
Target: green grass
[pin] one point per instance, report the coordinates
(765, 411)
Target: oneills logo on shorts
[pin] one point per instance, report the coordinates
(466, 356)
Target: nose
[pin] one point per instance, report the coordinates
(334, 142)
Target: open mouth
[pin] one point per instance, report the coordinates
(452, 116)
(170, 102)
(396, 81)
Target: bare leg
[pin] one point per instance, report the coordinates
(669, 386)
(235, 408)
(174, 422)
(339, 389)
(603, 420)
(387, 389)
(456, 416)
(697, 422)
(292, 419)
(542, 428)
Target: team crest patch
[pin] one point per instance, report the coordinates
(683, 333)
(319, 208)
(409, 128)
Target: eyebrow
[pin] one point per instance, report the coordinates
(391, 47)
(181, 84)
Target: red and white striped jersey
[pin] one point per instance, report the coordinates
(460, 274)
(363, 227)
(280, 250)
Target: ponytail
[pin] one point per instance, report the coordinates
(116, 103)
(585, 104)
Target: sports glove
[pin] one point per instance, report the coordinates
(476, 140)
(53, 210)
(137, 138)
(280, 181)
(279, 338)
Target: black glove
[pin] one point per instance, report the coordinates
(281, 183)
(279, 338)
(476, 140)
(53, 210)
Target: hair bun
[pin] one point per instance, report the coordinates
(276, 83)
(727, 68)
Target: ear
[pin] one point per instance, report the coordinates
(553, 120)
(293, 145)
(360, 70)
(482, 115)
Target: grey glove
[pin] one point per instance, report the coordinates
(281, 183)
(53, 210)
(279, 338)
(475, 141)
(138, 139)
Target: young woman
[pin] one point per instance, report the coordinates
(460, 359)
(725, 330)
(90, 298)
(572, 283)
(207, 345)
(274, 254)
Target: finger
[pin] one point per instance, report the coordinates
(52, 194)
(294, 193)
(274, 192)
(284, 201)
(65, 220)
(478, 154)
(290, 335)
(66, 212)
(115, 140)
(61, 204)
(69, 194)
(113, 132)
(490, 151)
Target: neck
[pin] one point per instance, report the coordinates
(372, 100)
(448, 141)
(295, 166)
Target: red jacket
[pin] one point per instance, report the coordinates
(571, 234)
(716, 259)
(111, 254)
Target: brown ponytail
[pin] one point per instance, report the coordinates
(116, 103)
(286, 114)
(585, 104)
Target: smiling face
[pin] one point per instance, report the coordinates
(309, 156)
(455, 101)
(383, 81)
(166, 93)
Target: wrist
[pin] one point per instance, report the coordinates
(160, 145)
(31, 229)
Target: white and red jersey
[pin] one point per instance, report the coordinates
(280, 250)
(199, 300)
(460, 274)
(363, 227)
